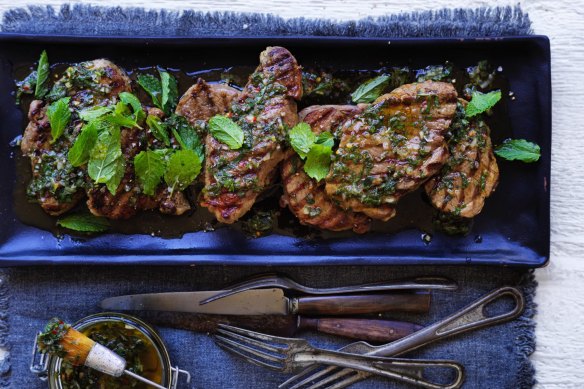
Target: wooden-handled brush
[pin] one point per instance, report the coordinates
(62, 340)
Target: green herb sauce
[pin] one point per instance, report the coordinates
(54, 176)
(131, 344)
(49, 341)
(82, 81)
(256, 129)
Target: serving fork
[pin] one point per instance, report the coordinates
(272, 280)
(289, 355)
(469, 318)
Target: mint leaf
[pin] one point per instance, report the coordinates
(158, 129)
(153, 87)
(89, 114)
(302, 138)
(169, 92)
(370, 90)
(186, 135)
(182, 168)
(120, 117)
(119, 171)
(326, 139)
(122, 121)
(79, 153)
(59, 116)
(131, 100)
(43, 70)
(481, 102)
(519, 149)
(150, 169)
(106, 156)
(318, 161)
(84, 222)
(226, 131)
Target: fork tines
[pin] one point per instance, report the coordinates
(315, 377)
(260, 349)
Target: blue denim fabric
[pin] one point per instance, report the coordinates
(495, 357)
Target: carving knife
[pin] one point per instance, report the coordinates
(272, 302)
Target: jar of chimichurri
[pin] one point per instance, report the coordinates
(137, 342)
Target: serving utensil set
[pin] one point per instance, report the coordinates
(359, 360)
(265, 296)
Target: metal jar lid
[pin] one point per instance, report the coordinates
(48, 367)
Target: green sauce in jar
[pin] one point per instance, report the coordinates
(140, 353)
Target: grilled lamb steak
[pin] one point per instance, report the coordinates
(306, 197)
(265, 110)
(470, 174)
(392, 148)
(57, 185)
(202, 101)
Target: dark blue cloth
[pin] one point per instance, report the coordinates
(497, 357)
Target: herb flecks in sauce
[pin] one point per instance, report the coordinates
(435, 73)
(248, 114)
(54, 176)
(82, 81)
(49, 341)
(481, 77)
(131, 344)
(390, 128)
(321, 86)
(260, 223)
(452, 224)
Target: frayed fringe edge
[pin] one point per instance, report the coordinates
(88, 20)
(4, 302)
(525, 326)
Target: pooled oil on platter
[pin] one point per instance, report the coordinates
(513, 228)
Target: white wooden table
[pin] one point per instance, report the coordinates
(560, 319)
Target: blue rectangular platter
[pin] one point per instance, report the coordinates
(512, 230)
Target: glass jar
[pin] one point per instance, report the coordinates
(49, 367)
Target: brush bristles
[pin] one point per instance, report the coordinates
(76, 347)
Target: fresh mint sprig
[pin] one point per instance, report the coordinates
(42, 79)
(481, 102)
(316, 150)
(519, 149)
(59, 116)
(163, 91)
(226, 131)
(370, 90)
(84, 222)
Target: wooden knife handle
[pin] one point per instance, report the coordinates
(361, 304)
(379, 331)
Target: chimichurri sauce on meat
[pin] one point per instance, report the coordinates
(61, 186)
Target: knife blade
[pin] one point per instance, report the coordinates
(270, 302)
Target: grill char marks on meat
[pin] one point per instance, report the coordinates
(202, 101)
(306, 197)
(392, 148)
(265, 110)
(470, 174)
(56, 190)
(57, 185)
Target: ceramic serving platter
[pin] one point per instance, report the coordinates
(513, 228)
